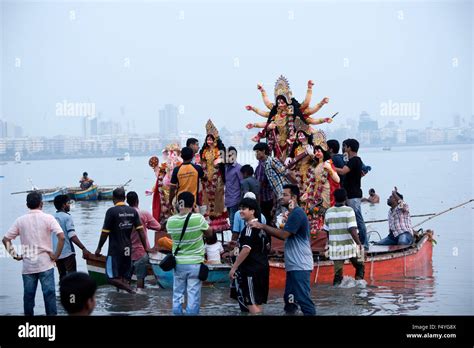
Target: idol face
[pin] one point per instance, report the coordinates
(301, 137)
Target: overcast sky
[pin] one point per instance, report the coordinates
(209, 56)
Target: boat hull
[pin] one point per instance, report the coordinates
(414, 261)
(96, 269)
(91, 194)
(218, 275)
(105, 195)
(411, 262)
(49, 196)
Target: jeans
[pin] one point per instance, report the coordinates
(232, 211)
(186, 281)
(298, 292)
(404, 238)
(30, 283)
(354, 203)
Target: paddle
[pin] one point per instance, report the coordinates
(431, 215)
(108, 186)
(15, 193)
(413, 216)
(444, 211)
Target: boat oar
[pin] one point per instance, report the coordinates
(444, 211)
(431, 215)
(112, 186)
(16, 193)
(413, 216)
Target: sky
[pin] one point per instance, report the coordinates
(207, 57)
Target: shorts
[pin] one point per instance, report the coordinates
(118, 267)
(250, 289)
(140, 267)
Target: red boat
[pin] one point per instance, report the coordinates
(382, 263)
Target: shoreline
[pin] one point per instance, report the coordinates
(119, 155)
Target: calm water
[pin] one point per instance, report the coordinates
(431, 178)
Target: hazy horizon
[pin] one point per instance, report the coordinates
(207, 57)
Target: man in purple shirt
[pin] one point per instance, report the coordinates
(233, 177)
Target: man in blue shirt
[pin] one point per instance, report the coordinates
(298, 254)
(233, 177)
(239, 223)
(66, 262)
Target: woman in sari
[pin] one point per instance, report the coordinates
(317, 197)
(212, 155)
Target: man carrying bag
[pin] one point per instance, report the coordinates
(186, 229)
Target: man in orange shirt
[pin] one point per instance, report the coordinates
(185, 178)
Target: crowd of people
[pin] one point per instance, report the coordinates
(302, 192)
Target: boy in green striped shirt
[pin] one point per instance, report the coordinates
(343, 240)
(190, 254)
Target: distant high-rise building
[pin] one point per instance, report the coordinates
(93, 125)
(457, 120)
(168, 121)
(18, 132)
(366, 123)
(86, 127)
(3, 129)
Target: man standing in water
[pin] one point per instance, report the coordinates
(118, 224)
(298, 253)
(35, 230)
(352, 183)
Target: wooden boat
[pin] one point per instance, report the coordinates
(218, 274)
(382, 263)
(48, 195)
(91, 194)
(96, 269)
(105, 193)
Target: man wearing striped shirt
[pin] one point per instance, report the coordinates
(343, 240)
(399, 222)
(190, 254)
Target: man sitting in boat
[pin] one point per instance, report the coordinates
(399, 222)
(85, 181)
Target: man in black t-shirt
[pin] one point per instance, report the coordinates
(119, 222)
(250, 274)
(353, 173)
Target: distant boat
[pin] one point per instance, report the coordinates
(105, 193)
(386, 148)
(76, 193)
(126, 157)
(49, 194)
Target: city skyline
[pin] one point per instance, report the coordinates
(94, 142)
(389, 63)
